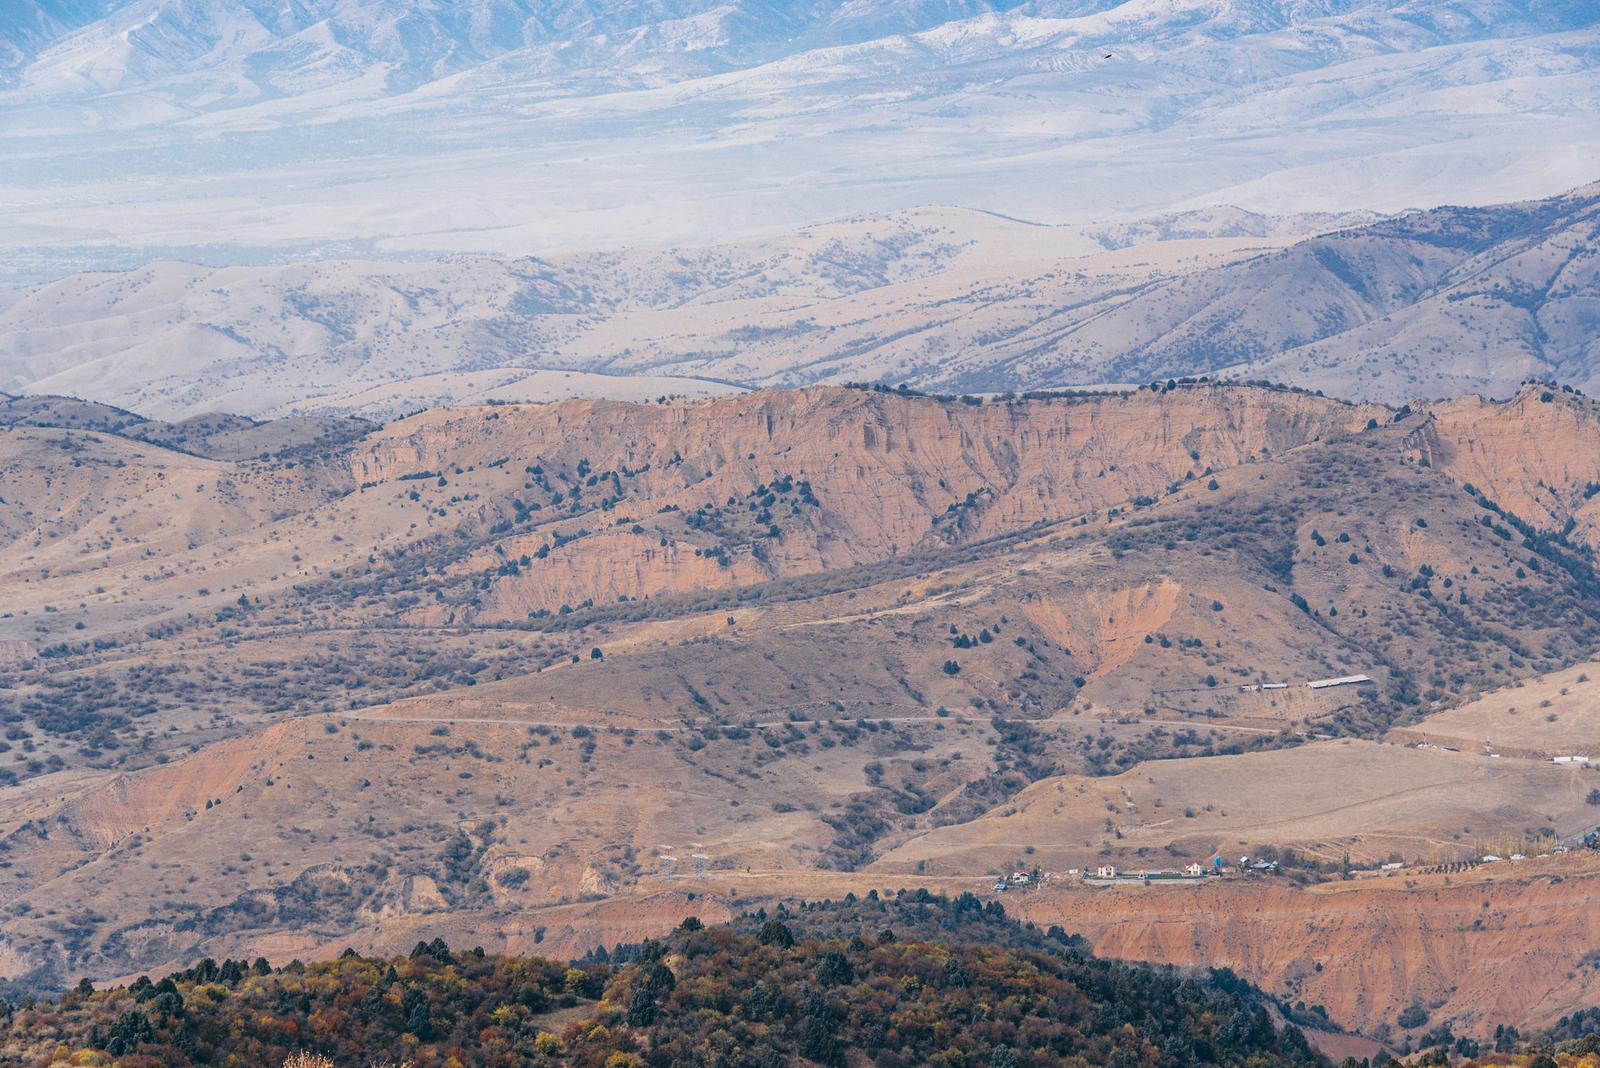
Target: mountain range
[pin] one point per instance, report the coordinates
(598, 480)
(242, 131)
(536, 677)
(1424, 304)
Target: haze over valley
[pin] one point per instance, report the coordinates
(1433, 304)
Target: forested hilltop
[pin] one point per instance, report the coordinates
(879, 988)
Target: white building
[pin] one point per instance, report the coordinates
(1342, 680)
(1106, 871)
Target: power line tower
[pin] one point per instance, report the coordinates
(700, 865)
(1488, 755)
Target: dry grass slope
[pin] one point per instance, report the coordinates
(482, 671)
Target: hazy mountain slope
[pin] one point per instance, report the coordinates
(365, 126)
(1433, 303)
(1522, 301)
(265, 49)
(874, 297)
(28, 28)
(1436, 303)
(378, 47)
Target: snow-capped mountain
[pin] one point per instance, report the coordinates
(27, 28)
(275, 47)
(254, 130)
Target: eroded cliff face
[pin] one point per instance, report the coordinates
(332, 827)
(614, 566)
(1477, 952)
(878, 475)
(1536, 455)
(1106, 625)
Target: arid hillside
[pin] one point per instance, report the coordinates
(1479, 949)
(525, 675)
(1544, 716)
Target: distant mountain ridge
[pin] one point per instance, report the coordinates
(27, 29)
(242, 131)
(313, 43)
(1429, 304)
(1435, 303)
(252, 50)
(216, 436)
